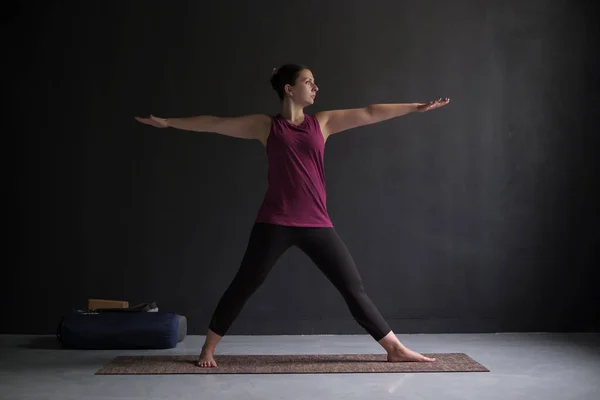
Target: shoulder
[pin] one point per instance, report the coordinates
(264, 119)
(316, 121)
(313, 119)
(320, 117)
(260, 125)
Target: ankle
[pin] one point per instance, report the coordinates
(208, 349)
(393, 347)
(396, 347)
(391, 344)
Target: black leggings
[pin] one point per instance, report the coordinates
(324, 247)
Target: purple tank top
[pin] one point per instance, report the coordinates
(296, 193)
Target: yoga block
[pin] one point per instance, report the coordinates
(95, 304)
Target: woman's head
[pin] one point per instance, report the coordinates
(295, 82)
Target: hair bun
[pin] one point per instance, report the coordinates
(274, 71)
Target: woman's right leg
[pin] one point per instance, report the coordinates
(266, 244)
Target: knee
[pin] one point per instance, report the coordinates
(246, 285)
(353, 289)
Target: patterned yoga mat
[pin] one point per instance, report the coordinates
(288, 364)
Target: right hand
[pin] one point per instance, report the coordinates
(154, 121)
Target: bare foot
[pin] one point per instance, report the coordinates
(404, 354)
(206, 359)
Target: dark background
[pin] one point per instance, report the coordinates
(479, 217)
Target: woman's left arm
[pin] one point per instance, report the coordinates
(336, 121)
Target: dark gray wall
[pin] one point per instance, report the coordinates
(478, 217)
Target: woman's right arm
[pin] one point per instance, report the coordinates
(254, 126)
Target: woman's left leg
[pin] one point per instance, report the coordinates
(327, 250)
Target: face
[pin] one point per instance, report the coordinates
(305, 89)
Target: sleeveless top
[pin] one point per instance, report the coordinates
(296, 179)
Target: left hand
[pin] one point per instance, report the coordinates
(432, 105)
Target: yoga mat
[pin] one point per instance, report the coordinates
(287, 364)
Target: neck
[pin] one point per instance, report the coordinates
(292, 111)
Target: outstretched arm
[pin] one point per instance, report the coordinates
(340, 120)
(255, 126)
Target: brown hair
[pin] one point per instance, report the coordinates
(285, 75)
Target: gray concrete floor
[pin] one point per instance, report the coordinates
(523, 366)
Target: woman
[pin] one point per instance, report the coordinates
(294, 211)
